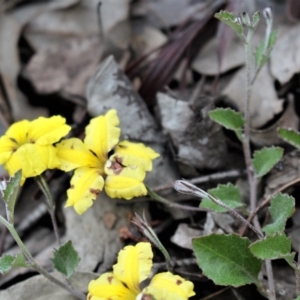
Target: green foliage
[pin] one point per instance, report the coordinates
(265, 159)
(7, 262)
(255, 19)
(228, 118)
(263, 51)
(10, 194)
(66, 259)
(290, 259)
(226, 259)
(272, 247)
(227, 193)
(230, 19)
(291, 136)
(282, 207)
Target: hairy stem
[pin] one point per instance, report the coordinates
(246, 136)
(50, 204)
(167, 202)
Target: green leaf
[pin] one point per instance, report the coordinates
(291, 136)
(11, 193)
(259, 53)
(272, 247)
(66, 259)
(226, 259)
(262, 53)
(227, 193)
(298, 298)
(228, 118)
(7, 262)
(272, 39)
(230, 19)
(255, 19)
(290, 259)
(265, 159)
(282, 207)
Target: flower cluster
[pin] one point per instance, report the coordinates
(121, 173)
(99, 161)
(134, 266)
(28, 146)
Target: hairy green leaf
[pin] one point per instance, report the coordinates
(228, 118)
(255, 19)
(272, 247)
(263, 52)
(66, 259)
(227, 193)
(226, 259)
(7, 262)
(265, 159)
(291, 136)
(282, 207)
(11, 193)
(230, 19)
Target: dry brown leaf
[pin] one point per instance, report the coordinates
(285, 57)
(199, 141)
(52, 26)
(10, 30)
(264, 104)
(146, 38)
(40, 288)
(287, 170)
(269, 136)
(110, 88)
(184, 234)
(206, 62)
(65, 67)
(90, 235)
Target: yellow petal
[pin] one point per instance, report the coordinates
(18, 131)
(33, 160)
(7, 147)
(13, 165)
(116, 166)
(166, 286)
(124, 187)
(73, 153)
(46, 131)
(86, 184)
(134, 265)
(136, 154)
(108, 287)
(102, 134)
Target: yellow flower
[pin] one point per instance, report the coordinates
(27, 146)
(134, 266)
(122, 173)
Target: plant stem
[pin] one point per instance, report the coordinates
(272, 291)
(246, 137)
(167, 202)
(32, 263)
(297, 271)
(149, 233)
(50, 204)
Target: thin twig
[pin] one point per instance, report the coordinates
(165, 201)
(50, 204)
(207, 178)
(215, 294)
